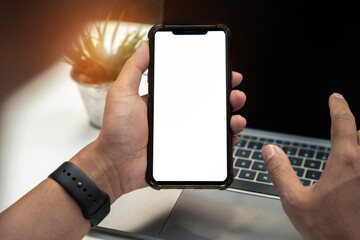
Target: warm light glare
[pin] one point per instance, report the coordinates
(123, 30)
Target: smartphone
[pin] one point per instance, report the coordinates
(190, 140)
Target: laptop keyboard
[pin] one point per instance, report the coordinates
(250, 174)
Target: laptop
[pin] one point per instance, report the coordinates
(293, 55)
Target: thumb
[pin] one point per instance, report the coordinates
(129, 78)
(280, 171)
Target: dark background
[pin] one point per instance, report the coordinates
(293, 54)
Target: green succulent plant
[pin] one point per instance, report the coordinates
(91, 62)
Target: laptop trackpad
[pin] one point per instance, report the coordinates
(214, 214)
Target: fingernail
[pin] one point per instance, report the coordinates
(268, 152)
(338, 95)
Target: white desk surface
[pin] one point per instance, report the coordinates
(42, 124)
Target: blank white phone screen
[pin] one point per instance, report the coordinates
(190, 129)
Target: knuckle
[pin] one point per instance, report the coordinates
(274, 170)
(350, 156)
(344, 116)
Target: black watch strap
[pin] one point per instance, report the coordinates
(94, 203)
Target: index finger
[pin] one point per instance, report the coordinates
(343, 126)
(236, 79)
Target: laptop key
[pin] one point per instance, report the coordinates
(242, 163)
(243, 153)
(282, 142)
(259, 166)
(313, 174)
(246, 136)
(306, 153)
(267, 140)
(290, 150)
(312, 164)
(235, 172)
(257, 155)
(317, 147)
(296, 161)
(246, 174)
(305, 182)
(241, 143)
(299, 171)
(322, 155)
(263, 177)
(255, 145)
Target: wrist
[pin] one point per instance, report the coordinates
(92, 161)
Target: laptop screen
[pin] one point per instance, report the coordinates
(292, 54)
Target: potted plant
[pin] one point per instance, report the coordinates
(95, 67)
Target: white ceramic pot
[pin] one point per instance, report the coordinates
(94, 96)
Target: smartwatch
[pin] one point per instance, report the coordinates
(94, 203)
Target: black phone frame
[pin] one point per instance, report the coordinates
(188, 29)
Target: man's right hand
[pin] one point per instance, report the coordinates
(330, 208)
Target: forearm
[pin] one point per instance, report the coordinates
(46, 212)
(49, 212)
